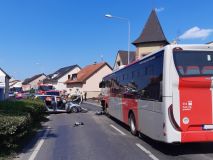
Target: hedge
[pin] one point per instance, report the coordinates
(17, 118)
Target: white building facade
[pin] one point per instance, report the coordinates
(88, 79)
(58, 78)
(4, 85)
(33, 82)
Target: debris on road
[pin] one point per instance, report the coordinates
(84, 110)
(78, 124)
(100, 113)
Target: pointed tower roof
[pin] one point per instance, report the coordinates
(152, 31)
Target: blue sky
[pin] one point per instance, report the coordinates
(43, 35)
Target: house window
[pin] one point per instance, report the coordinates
(69, 76)
(74, 76)
(118, 63)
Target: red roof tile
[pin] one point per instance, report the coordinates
(87, 72)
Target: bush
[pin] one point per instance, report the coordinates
(17, 119)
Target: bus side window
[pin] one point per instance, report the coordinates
(192, 70)
(181, 70)
(207, 70)
(151, 84)
(102, 84)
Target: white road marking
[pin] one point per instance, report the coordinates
(38, 147)
(146, 151)
(118, 130)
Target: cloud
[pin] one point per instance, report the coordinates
(196, 33)
(159, 9)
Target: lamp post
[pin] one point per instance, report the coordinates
(125, 19)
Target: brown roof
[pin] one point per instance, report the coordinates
(87, 72)
(54, 77)
(152, 31)
(29, 80)
(124, 56)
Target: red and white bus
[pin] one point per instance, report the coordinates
(167, 95)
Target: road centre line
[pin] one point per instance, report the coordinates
(38, 147)
(118, 130)
(146, 151)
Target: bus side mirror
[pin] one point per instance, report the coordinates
(102, 84)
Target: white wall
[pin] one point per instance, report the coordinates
(60, 85)
(92, 84)
(2, 73)
(144, 49)
(18, 84)
(34, 84)
(4, 84)
(71, 88)
(26, 87)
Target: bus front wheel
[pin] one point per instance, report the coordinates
(132, 124)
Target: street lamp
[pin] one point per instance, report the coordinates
(125, 19)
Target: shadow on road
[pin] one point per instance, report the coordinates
(119, 122)
(38, 136)
(51, 135)
(179, 149)
(168, 149)
(172, 149)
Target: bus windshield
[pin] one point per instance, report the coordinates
(194, 63)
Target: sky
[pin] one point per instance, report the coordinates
(41, 36)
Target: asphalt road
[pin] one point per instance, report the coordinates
(102, 138)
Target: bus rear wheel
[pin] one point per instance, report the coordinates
(132, 124)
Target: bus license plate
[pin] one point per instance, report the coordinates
(208, 127)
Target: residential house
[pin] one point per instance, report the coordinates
(32, 82)
(58, 78)
(88, 78)
(122, 58)
(4, 85)
(152, 37)
(15, 84)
